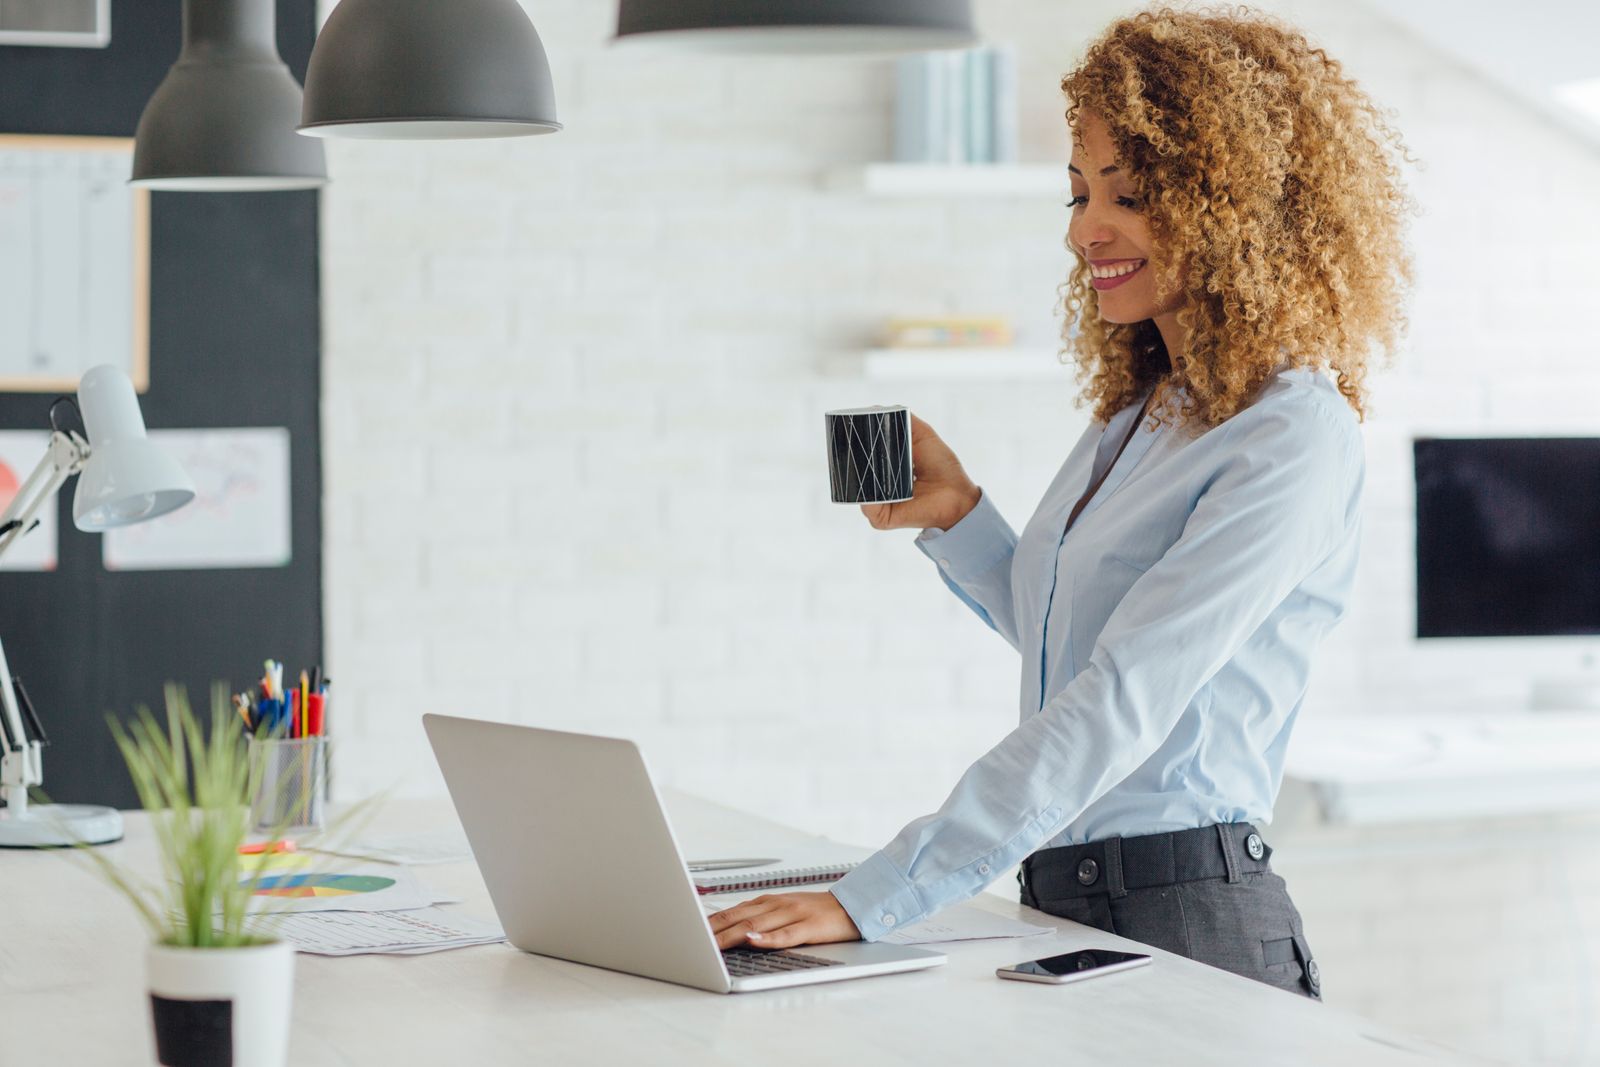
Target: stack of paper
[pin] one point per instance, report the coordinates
(963, 923)
(395, 933)
(334, 909)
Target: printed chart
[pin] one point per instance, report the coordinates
(74, 262)
(320, 885)
(239, 516)
(300, 883)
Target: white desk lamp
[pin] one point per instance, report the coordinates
(125, 479)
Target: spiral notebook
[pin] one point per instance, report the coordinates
(742, 882)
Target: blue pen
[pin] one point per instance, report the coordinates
(273, 715)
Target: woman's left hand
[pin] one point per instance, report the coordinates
(784, 920)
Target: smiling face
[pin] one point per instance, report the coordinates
(1108, 230)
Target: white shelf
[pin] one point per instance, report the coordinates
(937, 179)
(952, 364)
(1376, 769)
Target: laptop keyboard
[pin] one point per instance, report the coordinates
(751, 963)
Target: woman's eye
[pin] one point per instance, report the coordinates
(1125, 201)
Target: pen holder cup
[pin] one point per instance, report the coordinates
(291, 789)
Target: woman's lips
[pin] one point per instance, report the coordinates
(1102, 284)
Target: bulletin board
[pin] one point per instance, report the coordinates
(74, 262)
(235, 343)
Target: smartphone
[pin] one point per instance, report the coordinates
(1073, 966)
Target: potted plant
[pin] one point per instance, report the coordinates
(220, 985)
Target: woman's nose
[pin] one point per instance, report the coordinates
(1088, 234)
(1091, 229)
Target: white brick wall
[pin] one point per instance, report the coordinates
(574, 462)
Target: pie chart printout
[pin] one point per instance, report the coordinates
(320, 885)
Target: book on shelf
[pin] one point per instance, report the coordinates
(949, 331)
(957, 107)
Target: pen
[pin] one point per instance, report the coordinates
(724, 865)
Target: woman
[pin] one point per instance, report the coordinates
(1237, 219)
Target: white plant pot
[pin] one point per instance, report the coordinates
(221, 1007)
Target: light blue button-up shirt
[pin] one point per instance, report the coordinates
(1166, 640)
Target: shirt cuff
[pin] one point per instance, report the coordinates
(877, 898)
(970, 548)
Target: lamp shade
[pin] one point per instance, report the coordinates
(223, 118)
(795, 26)
(127, 478)
(428, 70)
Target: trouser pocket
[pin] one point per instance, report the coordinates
(1289, 965)
(1249, 927)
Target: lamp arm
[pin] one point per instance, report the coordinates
(65, 458)
(21, 761)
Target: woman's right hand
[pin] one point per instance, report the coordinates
(941, 494)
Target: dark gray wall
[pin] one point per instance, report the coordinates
(233, 342)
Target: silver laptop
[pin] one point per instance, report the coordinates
(582, 865)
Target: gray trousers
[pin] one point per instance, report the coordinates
(1208, 894)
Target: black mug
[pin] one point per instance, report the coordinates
(869, 455)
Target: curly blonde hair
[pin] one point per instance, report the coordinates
(1266, 170)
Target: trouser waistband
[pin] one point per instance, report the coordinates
(1115, 865)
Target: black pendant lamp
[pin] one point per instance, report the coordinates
(795, 26)
(223, 119)
(428, 70)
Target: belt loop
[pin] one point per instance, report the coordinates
(1114, 884)
(1230, 855)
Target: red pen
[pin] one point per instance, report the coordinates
(316, 702)
(294, 713)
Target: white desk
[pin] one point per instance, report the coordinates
(72, 992)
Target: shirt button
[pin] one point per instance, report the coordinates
(1254, 845)
(983, 868)
(1314, 973)
(887, 920)
(1088, 872)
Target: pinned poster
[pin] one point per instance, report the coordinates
(239, 516)
(20, 453)
(74, 259)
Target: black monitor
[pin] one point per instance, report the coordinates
(1508, 536)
